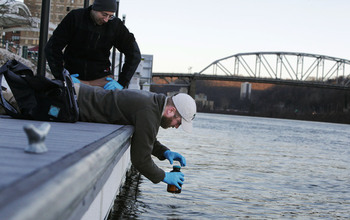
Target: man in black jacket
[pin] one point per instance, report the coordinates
(88, 35)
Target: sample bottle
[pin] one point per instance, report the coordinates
(173, 188)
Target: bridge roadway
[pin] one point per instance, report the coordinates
(189, 79)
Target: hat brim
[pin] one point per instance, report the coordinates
(186, 126)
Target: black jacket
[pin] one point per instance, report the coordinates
(87, 47)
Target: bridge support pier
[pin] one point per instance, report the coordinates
(346, 106)
(192, 88)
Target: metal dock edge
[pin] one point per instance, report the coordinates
(64, 183)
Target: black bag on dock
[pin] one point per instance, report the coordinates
(38, 97)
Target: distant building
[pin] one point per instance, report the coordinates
(143, 75)
(246, 90)
(203, 103)
(58, 10)
(201, 99)
(145, 69)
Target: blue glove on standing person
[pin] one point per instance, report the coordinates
(171, 156)
(74, 78)
(174, 178)
(112, 84)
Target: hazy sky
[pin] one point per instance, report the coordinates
(185, 34)
(193, 33)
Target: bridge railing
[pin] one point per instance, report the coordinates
(301, 67)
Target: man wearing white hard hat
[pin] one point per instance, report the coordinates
(146, 111)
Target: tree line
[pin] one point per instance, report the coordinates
(278, 101)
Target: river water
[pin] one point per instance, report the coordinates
(249, 167)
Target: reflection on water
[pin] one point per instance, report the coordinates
(245, 167)
(126, 204)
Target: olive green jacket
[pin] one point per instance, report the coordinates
(141, 109)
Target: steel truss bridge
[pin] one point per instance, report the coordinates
(286, 68)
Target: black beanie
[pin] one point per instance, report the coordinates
(105, 5)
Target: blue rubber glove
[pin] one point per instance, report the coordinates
(112, 84)
(171, 156)
(74, 78)
(174, 178)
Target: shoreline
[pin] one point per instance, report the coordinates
(339, 118)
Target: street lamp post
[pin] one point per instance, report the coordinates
(120, 54)
(113, 49)
(44, 30)
(86, 3)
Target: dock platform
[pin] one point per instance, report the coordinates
(78, 178)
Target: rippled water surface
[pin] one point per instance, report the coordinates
(247, 167)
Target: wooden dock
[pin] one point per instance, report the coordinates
(78, 178)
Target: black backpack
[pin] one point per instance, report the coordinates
(38, 97)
